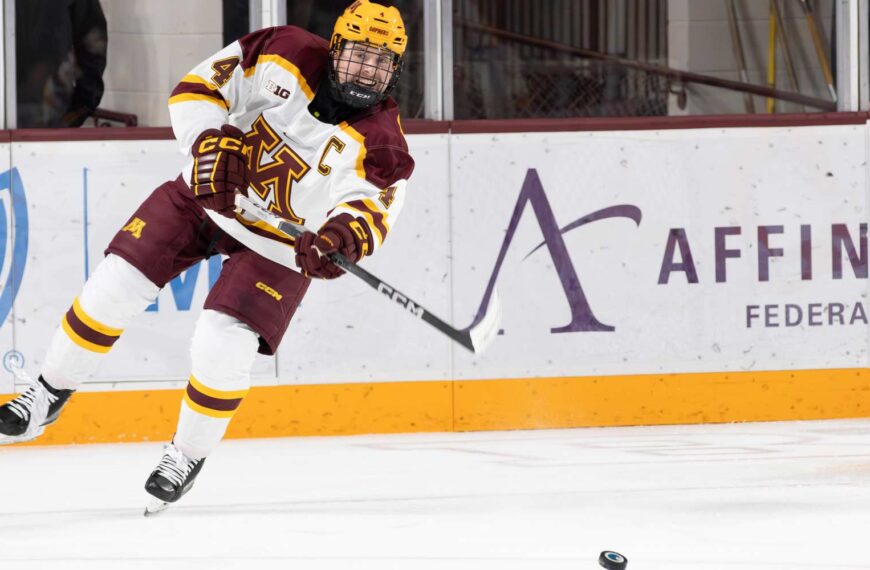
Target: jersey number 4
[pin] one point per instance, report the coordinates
(223, 70)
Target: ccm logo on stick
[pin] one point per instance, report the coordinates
(401, 299)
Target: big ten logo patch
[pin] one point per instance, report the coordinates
(276, 89)
(183, 288)
(13, 239)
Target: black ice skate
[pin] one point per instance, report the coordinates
(25, 417)
(173, 477)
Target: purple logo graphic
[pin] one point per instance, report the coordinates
(582, 317)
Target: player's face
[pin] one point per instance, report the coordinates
(365, 65)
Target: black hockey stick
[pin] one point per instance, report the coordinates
(476, 337)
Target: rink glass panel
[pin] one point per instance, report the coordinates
(498, 68)
(523, 59)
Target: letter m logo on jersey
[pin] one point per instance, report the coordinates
(13, 239)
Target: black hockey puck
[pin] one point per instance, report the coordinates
(612, 560)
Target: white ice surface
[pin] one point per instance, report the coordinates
(741, 496)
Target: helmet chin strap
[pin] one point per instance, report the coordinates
(357, 96)
(352, 95)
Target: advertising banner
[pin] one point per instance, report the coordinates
(707, 250)
(663, 251)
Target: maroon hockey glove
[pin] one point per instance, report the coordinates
(344, 234)
(311, 262)
(219, 168)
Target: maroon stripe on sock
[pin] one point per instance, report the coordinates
(87, 332)
(210, 402)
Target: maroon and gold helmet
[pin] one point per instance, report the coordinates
(366, 52)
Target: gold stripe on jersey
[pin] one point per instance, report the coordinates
(371, 222)
(187, 97)
(92, 323)
(369, 217)
(361, 155)
(190, 78)
(288, 66)
(373, 205)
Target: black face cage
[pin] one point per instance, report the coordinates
(364, 86)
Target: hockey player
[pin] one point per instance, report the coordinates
(305, 128)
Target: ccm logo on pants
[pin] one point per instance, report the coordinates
(268, 290)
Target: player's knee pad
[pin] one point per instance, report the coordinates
(222, 352)
(116, 292)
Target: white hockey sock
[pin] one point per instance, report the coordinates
(222, 353)
(112, 296)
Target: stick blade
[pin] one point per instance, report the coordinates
(483, 333)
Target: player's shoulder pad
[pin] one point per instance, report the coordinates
(387, 159)
(306, 51)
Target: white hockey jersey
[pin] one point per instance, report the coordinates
(299, 167)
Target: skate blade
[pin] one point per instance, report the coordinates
(155, 506)
(10, 439)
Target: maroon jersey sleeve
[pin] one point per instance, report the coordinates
(387, 159)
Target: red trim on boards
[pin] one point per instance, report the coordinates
(424, 127)
(98, 134)
(657, 123)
